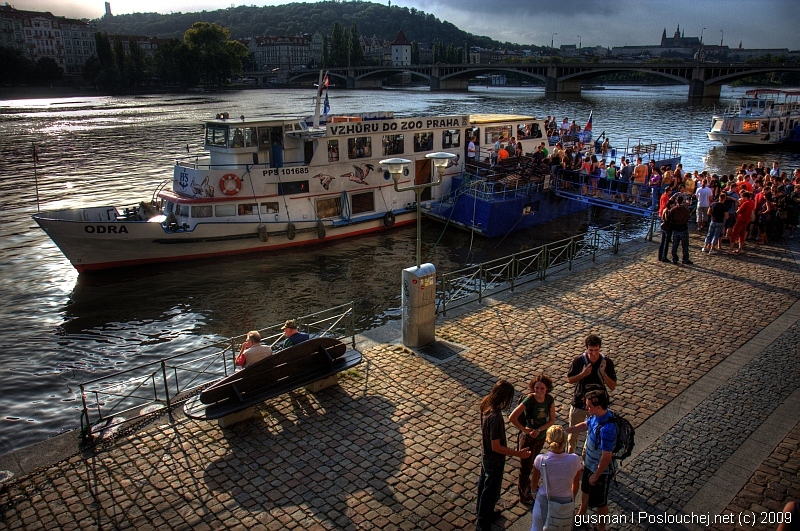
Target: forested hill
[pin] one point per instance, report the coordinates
(291, 19)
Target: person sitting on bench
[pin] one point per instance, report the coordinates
(253, 350)
(293, 337)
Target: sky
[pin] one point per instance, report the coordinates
(607, 23)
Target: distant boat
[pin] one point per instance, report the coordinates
(762, 117)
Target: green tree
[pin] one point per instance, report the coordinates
(135, 64)
(175, 64)
(119, 57)
(16, 68)
(48, 71)
(356, 52)
(325, 56)
(217, 56)
(338, 52)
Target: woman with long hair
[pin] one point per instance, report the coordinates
(533, 416)
(493, 452)
(563, 476)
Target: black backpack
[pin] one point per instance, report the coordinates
(625, 437)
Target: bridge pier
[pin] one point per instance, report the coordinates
(449, 84)
(555, 87)
(364, 83)
(699, 90)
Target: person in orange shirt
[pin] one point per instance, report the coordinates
(502, 154)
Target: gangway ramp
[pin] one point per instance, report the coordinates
(638, 200)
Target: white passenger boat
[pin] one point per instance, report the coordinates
(273, 182)
(763, 117)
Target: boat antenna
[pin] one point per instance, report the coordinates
(321, 85)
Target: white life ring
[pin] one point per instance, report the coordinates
(226, 186)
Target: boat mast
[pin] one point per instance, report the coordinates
(320, 87)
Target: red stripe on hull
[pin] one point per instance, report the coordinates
(81, 268)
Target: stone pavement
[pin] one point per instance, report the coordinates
(708, 368)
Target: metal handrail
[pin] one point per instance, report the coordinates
(138, 392)
(475, 282)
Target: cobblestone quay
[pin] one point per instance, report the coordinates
(708, 364)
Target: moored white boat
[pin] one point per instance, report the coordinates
(273, 182)
(763, 117)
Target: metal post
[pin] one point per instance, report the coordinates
(166, 387)
(418, 192)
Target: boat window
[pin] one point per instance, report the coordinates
(287, 128)
(329, 207)
(216, 136)
(182, 210)
(750, 126)
(202, 211)
(224, 211)
(771, 127)
(247, 209)
(359, 147)
(423, 142)
(333, 150)
(263, 138)
(529, 131)
(293, 187)
(780, 126)
(501, 132)
(450, 139)
(237, 138)
(393, 144)
(363, 202)
(298, 127)
(269, 208)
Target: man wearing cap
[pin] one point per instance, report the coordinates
(293, 337)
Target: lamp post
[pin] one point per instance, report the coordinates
(701, 35)
(722, 36)
(418, 283)
(551, 39)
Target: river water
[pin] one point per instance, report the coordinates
(59, 328)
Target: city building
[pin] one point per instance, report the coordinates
(79, 44)
(284, 52)
(401, 50)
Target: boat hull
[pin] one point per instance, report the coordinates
(500, 216)
(92, 245)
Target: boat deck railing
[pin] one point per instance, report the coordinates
(140, 393)
(649, 150)
(476, 282)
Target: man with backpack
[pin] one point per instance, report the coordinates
(601, 440)
(589, 371)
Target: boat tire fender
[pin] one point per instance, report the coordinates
(227, 188)
(388, 219)
(263, 235)
(320, 230)
(291, 231)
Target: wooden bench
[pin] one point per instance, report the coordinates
(316, 361)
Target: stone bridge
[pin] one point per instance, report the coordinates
(704, 79)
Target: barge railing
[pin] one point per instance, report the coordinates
(143, 391)
(476, 282)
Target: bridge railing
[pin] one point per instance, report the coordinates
(476, 282)
(146, 390)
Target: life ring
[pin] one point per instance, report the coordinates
(290, 231)
(320, 230)
(388, 219)
(226, 187)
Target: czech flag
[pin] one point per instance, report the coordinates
(588, 126)
(324, 85)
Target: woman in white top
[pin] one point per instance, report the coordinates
(563, 475)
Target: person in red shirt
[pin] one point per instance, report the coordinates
(743, 214)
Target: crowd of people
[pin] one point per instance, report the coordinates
(560, 471)
(751, 204)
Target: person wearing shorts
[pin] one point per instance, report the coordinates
(597, 468)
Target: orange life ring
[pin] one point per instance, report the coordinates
(226, 188)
